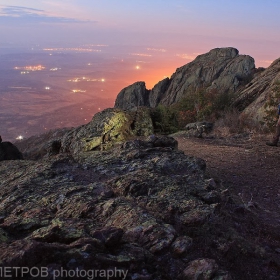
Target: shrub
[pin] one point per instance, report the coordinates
(201, 104)
(197, 105)
(165, 120)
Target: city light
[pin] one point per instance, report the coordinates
(141, 54)
(72, 49)
(78, 90)
(85, 79)
(20, 137)
(30, 68)
(156, 50)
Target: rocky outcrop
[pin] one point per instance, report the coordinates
(9, 151)
(109, 127)
(106, 128)
(221, 69)
(133, 96)
(253, 97)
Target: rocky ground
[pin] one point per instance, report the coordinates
(147, 209)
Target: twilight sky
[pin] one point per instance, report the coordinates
(189, 26)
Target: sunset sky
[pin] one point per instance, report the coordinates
(252, 26)
(131, 40)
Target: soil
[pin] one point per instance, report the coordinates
(250, 170)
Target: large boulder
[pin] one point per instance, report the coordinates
(133, 96)
(9, 151)
(107, 128)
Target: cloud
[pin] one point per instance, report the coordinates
(19, 14)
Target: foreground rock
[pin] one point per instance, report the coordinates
(143, 208)
(221, 69)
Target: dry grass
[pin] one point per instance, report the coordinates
(233, 122)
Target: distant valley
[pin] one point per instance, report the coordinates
(45, 88)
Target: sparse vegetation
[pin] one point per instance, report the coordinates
(165, 119)
(198, 105)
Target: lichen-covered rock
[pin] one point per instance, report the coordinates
(107, 128)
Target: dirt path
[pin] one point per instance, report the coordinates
(246, 166)
(250, 170)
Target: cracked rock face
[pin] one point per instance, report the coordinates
(253, 97)
(143, 207)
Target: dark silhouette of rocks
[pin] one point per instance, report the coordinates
(9, 151)
(221, 69)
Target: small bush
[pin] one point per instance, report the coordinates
(165, 120)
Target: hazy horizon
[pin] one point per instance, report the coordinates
(195, 26)
(112, 44)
